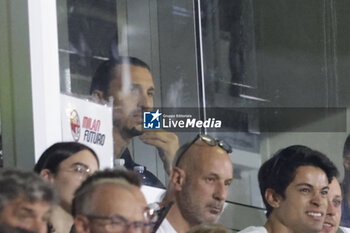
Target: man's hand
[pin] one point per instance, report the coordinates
(167, 144)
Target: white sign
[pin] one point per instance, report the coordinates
(88, 123)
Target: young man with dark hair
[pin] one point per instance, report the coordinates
(294, 184)
(129, 82)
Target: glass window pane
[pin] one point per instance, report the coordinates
(94, 32)
(268, 59)
(263, 61)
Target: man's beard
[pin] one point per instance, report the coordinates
(125, 131)
(133, 132)
(190, 211)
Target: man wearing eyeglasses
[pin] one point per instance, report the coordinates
(199, 183)
(294, 185)
(111, 202)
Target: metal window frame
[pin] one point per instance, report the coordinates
(29, 84)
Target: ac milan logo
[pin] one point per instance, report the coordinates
(75, 125)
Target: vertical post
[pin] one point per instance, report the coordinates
(199, 60)
(29, 84)
(44, 73)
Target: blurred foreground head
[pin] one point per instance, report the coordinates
(211, 228)
(25, 200)
(111, 201)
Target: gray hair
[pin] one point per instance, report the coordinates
(15, 183)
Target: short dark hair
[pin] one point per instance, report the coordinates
(55, 154)
(15, 183)
(84, 192)
(104, 73)
(279, 171)
(346, 150)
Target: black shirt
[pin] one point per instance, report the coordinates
(149, 178)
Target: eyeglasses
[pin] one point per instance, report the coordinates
(117, 223)
(81, 170)
(209, 141)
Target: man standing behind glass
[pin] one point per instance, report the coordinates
(129, 81)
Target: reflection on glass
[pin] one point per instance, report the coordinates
(129, 81)
(90, 64)
(87, 36)
(268, 59)
(257, 55)
(230, 82)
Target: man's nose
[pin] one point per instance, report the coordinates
(318, 200)
(144, 100)
(330, 209)
(38, 226)
(221, 192)
(132, 229)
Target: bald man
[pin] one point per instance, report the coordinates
(199, 183)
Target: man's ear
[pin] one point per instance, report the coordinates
(273, 198)
(346, 163)
(47, 175)
(177, 177)
(99, 96)
(81, 224)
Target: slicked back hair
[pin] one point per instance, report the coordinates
(346, 150)
(279, 171)
(105, 72)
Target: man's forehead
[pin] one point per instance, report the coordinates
(136, 74)
(210, 159)
(314, 176)
(204, 151)
(334, 188)
(21, 202)
(114, 199)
